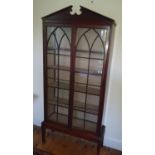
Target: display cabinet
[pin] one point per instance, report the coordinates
(76, 51)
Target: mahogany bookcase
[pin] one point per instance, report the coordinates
(76, 51)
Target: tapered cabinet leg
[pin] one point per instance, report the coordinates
(43, 133)
(98, 148)
(100, 144)
(102, 134)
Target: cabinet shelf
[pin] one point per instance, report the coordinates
(90, 90)
(77, 70)
(67, 55)
(85, 71)
(77, 50)
(57, 117)
(76, 82)
(60, 85)
(64, 68)
(62, 118)
(91, 109)
(77, 88)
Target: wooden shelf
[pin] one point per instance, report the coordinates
(77, 50)
(62, 102)
(77, 70)
(61, 85)
(77, 88)
(65, 68)
(66, 53)
(62, 80)
(77, 122)
(85, 71)
(91, 109)
(90, 90)
(77, 56)
(58, 118)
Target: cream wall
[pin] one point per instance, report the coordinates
(113, 109)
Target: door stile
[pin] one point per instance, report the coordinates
(72, 76)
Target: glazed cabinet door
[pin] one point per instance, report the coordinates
(91, 46)
(58, 73)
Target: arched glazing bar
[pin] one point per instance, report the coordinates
(93, 42)
(87, 40)
(52, 33)
(98, 36)
(83, 34)
(66, 35)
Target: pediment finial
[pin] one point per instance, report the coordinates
(76, 9)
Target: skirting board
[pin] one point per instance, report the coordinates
(113, 143)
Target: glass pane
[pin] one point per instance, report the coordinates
(95, 66)
(94, 80)
(80, 78)
(58, 70)
(78, 119)
(81, 64)
(90, 51)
